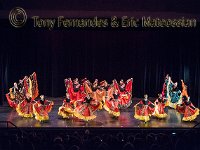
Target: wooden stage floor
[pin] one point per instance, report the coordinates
(103, 119)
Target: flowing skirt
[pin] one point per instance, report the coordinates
(66, 110)
(25, 109)
(125, 100)
(159, 111)
(85, 111)
(12, 101)
(189, 113)
(112, 106)
(41, 111)
(143, 113)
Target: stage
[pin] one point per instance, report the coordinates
(103, 119)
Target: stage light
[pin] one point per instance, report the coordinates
(173, 133)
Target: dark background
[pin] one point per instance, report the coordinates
(146, 55)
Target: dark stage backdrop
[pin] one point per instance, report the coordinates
(145, 55)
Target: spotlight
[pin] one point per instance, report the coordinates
(173, 133)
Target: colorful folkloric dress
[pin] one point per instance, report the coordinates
(188, 110)
(11, 97)
(184, 89)
(41, 109)
(76, 92)
(25, 108)
(175, 97)
(67, 109)
(167, 87)
(125, 93)
(112, 104)
(143, 110)
(100, 95)
(34, 89)
(95, 92)
(108, 90)
(16, 94)
(160, 108)
(86, 109)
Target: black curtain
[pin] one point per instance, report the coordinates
(145, 55)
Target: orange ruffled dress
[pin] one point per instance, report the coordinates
(41, 109)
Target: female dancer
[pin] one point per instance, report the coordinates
(112, 103)
(18, 92)
(67, 109)
(144, 109)
(95, 91)
(41, 109)
(25, 108)
(175, 96)
(187, 109)
(171, 92)
(125, 92)
(75, 90)
(12, 96)
(184, 89)
(166, 88)
(87, 108)
(34, 90)
(159, 107)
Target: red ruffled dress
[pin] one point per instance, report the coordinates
(25, 108)
(35, 90)
(188, 110)
(125, 93)
(66, 110)
(76, 92)
(86, 109)
(41, 109)
(15, 96)
(160, 108)
(12, 101)
(112, 105)
(143, 110)
(95, 92)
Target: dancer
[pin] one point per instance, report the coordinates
(75, 90)
(186, 107)
(112, 103)
(107, 90)
(175, 96)
(188, 110)
(18, 92)
(125, 92)
(67, 109)
(87, 108)
(25, 108)
(184, 89)
(166, 88)
(34, 88)
(144, 109)
(41, 109)
(160, 107)
(95, 91)
(12, 96)
(171, 92)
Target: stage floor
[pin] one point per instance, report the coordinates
(103, 119)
